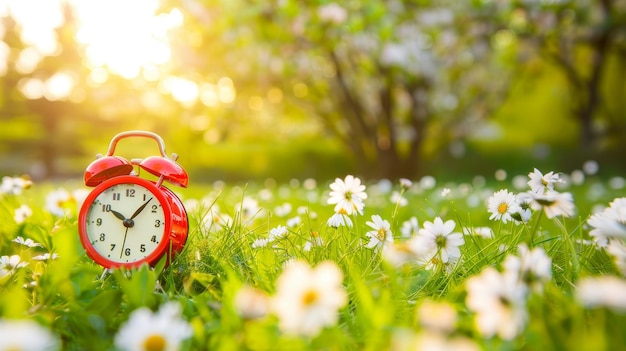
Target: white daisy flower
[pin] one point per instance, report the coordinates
(398, 254)
(540, 183)
(10, 264)
(45, 257)
(440, 316)
(147, 330)
(340, 219)
(554, 204)
(533, 267)
(610, 223)
(409, 228)
(499, 301)
(308, 299)
(405, 183)
(604, 291)
(438, 239)
(14, 185)
(348, 194)
(381, 233)
(617, 249)
(21, 213)
(251, 303)
(26, 335)
(59, 202)
(397, 198)
(278, 232)
(503, 205)
(26, 242)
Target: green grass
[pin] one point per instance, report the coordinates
(85, 307)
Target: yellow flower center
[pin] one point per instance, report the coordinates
(342, 211)
(382, 234)
(348, 195)
(502, 208)
(544, 182)
(154, 342)
(310, 297)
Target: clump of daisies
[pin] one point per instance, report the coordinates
(506, 206)
(348, 196)
(499, 298)
(609, 231)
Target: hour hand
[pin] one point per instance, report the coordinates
(118, 215)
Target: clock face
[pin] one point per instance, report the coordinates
(125, 223)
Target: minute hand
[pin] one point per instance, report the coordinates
(140, 209)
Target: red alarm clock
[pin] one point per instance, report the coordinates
(128, 220)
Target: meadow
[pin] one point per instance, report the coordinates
(508, 262)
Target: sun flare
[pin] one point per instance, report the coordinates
(126, 37)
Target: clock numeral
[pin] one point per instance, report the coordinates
(116, 196)
(157, 223)
(142, 248)
(112, 247)
(154, 208)
(106, 208)
(127, 252)
(102, 236)
(145, 197)
(153, 239)
(131, 193)
(99, 222)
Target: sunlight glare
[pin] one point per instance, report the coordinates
(126, 37)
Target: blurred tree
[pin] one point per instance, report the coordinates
(586, 41)
(384, 78)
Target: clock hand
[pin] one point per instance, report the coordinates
(123, 242)
(140, 209)
(118, 215)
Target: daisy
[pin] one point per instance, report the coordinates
(381, 233)
(147, 330)
(251, 303)
(14, 185)
(533, 267)
(397, 254)
(26, 335)
(10, 264)
(409, 228)
(554, 204)
(503, 205)
(405, 184)
(59, 202)
(607, 291)
(440, 316)
(440, 241)
(340, 219)
(610, 223)
(397, 198)
(348, 194)
(540, 183)
(26, 242)
(499, 301)
(45, 257)
(21, 213)
(308, 299)
(617, 249)
(278, 233)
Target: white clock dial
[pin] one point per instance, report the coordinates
(125, 223)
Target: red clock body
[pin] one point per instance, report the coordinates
(127, 221)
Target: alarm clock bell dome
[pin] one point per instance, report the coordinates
(166, 168)
(105, 168)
